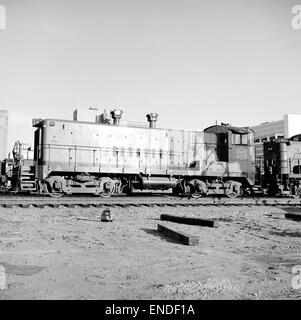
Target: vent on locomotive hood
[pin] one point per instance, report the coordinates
(116, 115)
(152, 119)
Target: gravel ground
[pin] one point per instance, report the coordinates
(50, 254)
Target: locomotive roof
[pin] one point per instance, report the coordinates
(39, 122)
(222, 129)
(211, 129)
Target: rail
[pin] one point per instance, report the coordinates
(139, 201)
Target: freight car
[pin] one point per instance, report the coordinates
(72, 157)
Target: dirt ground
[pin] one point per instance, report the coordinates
(50, 254)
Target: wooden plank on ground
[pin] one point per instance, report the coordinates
(88, 219)
(293, 215)
(278, 215)
(182, 237)
(292, 209)
(189, 220)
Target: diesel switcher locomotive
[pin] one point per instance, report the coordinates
(72, 157)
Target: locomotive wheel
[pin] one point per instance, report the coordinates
(108, 188)
(233, 189)
(197, 189)
(56, 194)
(51, 192)
(232, 195)
(196, 195)
(105, 194)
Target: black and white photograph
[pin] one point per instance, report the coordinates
(150, 150)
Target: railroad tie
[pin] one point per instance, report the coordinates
(189, 220)
(84, 205)
(39, 205)
(180, 236)
(278, 215)
(8, 206)
(54, 205)
(24, 206)
(293, 215)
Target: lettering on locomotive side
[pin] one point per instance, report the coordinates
(242, 153)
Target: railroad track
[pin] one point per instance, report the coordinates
(139, 201)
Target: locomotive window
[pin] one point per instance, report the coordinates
(244, 139)
(239, 139)
(235, 138)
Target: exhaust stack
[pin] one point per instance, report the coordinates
(116, 115)
(152, 119)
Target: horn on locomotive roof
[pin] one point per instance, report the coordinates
(152, 119)
(116, 115)
(225, 124)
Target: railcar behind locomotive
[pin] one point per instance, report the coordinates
(278, 167)
(72, 157)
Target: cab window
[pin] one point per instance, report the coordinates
(239, 139)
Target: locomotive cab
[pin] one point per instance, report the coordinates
(232, 143)
(234, 155)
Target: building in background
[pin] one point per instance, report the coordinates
(288, 127)
(3, 133)
(268, 130)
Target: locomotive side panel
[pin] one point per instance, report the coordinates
(186, 152)
(83, 147)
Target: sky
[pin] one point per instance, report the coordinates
(194, 62)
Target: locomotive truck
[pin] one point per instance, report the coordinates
(72, 157)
